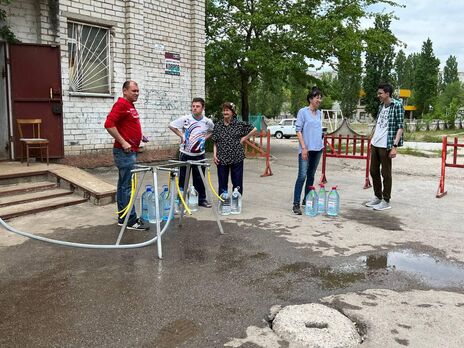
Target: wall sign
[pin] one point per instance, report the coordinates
(172, 63)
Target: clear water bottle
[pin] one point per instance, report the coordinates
(152, 208)
(333, 202)
(322, 200)
(145, 201)
(165, 203)
(224, 205)
(178, 202)
(236, 202)
(311, 201)
(192, 198)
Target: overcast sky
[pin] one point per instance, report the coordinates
(440, 20)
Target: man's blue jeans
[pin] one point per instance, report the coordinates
(306, 171)
(125, 163)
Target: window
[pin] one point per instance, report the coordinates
(287, 123)
(88, 62)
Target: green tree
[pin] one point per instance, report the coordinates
(400, 69)
(426, 79)
(410, 67)
(379, 61)
(256, 40)
(349, 85)
(450, 72)
(448, 103)
(268, 97)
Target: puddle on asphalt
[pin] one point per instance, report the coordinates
(431, 270)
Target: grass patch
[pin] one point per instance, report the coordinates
(414, 152)
(433, 136)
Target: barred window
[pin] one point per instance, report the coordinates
(89, 58)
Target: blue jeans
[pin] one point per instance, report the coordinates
(125, 163)
(236, 175)
(196, 178)
(306, 171)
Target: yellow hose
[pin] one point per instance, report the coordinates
(212, 188)
(182, 197)
(125, 210)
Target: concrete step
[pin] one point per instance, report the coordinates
(11, 211)
(25, 197)
(23, 187)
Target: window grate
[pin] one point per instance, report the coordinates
(89, 49)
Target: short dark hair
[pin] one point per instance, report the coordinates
(386, 87)
(199, 100)
(127, 83)
(314, 92)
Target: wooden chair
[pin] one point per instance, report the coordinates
(32, 127)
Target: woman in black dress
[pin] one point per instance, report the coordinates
(228, 137)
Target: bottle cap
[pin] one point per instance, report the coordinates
(148, 188)
(334, 187)
(321, 185)
(311, 187)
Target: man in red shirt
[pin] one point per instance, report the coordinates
(123, 124)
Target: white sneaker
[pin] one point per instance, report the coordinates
(383, 205)
(372, 202)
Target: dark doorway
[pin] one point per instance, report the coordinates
(36, 92)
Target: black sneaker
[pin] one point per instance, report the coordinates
(205, 204)
(296, 209)
(138, 225)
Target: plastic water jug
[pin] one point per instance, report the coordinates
(192, 198)
(311, 202)
(224, 205)
(333, 202)
(178, 202)
(145, 201)
(165, 203)
(322, 200)
(236, 202)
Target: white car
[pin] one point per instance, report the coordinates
(285, 128)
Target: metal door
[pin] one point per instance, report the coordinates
(36, 92)
(4, 134)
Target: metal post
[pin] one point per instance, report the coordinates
(157, 215)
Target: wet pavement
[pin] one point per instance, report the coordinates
(209, 288)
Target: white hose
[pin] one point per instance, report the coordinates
(83, 245)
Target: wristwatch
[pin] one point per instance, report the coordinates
(395, 145)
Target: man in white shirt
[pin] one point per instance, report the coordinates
(193, 130)
(387, 137)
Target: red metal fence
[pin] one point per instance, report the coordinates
(347, 146)
(444, 151)
(255, 148)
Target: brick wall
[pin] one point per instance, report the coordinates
(141, 32)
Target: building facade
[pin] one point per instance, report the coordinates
(158, 43)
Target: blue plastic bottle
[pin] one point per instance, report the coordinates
(322, 201)
(333, 202)
(311, 201)
(145, 202)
